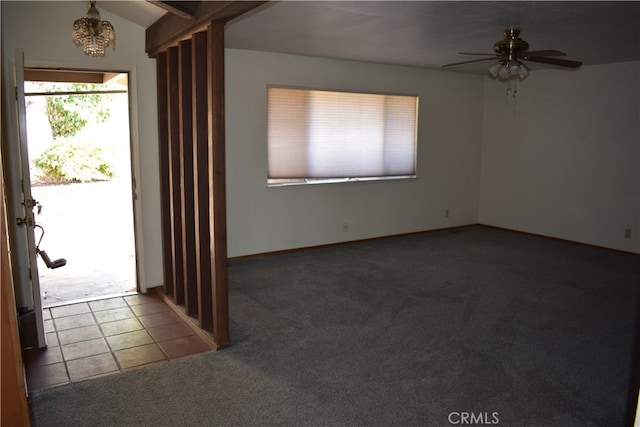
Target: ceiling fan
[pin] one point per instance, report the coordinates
(510, 53)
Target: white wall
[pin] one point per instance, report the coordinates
(262, 219)
(43, 31)
(567, 163)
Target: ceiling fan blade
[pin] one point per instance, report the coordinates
(551, 52)
(474, 53)
(556, 61)
(493, 58)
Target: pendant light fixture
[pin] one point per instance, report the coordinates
(93, 34)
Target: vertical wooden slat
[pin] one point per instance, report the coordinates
(201, 181)
(186, 173)
(165, 187)
(175, 178)
(217, 194)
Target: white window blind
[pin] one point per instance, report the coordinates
(317, 135)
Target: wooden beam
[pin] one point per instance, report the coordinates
(170, 29)
(119, 78)
(201, 181)
(165, 185)
(71, 76)
(183, 9)
(175, 175)
(63, 76)
(217, 176)
(186, 182)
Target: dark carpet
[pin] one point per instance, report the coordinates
(431, 329)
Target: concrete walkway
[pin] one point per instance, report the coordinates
(91, 225)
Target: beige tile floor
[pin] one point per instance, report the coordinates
(103, 337)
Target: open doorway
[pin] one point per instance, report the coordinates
(80, 166)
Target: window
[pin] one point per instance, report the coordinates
(317, 136)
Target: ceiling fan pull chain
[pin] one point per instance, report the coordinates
(515, 94)
(512, 93)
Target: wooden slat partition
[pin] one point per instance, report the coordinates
(192, 162)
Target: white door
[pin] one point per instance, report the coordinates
(20, 205)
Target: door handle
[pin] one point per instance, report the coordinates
(28, 221)
(31, 203)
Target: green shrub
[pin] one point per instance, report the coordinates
(66, 161)
(69, 114)
(63, 122)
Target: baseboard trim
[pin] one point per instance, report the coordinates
(435, 230)
(347, 242)
(559, 239)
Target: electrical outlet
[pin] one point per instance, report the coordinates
(345, 227)
(446, 213)
(627, 233)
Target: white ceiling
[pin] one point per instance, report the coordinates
(425, 33)
(430, 33)
(140, 12)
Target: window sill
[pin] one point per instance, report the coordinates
(316, 181)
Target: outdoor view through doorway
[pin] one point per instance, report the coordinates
(80, 168)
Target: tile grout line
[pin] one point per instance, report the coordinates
(66, 365)
(111, 352)
(144, 328)
(64, 362)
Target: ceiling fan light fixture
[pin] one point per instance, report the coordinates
(504, 73)
(503, 70)
(495, 69)
(514, 68)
